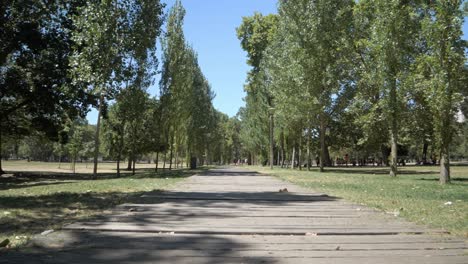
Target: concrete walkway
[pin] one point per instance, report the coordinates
(238, 216)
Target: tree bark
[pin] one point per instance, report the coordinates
(278, 157)
(118, 166)
(444, 165)
(157, 162)
(171, 152)
(282, 149)
(271, 141)
(129, 163)
(96, 139)
(393, 129)
(446, 136)
(308, 149)
(133, 170)
(322, 142)
(299, 154)
(393, 154)
(327, 159)
(176, 159)
(1, 157)
(293, 156)
(424, 154)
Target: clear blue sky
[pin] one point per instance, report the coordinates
(210, 28)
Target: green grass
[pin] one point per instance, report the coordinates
(33, 202)
(415, 194)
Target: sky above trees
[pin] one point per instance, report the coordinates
(210, 27)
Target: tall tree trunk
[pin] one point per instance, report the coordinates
(308, 149)
(171, 152)
(129, 163)
(282, 149)
(1, 168)
(157, 162)
(118, 165)
(207, 157)
(445, 131)
(322, 142)
(96, 139)
(74, 162)
(444, 165)
(293, 156)
(446, 136)
(271, 141)
(278, 157)
(424, 154)
(60, 156)
(164, 161)
(393, 129)
(133, 170)
(299, 156)
(393, 154)
(327, 158)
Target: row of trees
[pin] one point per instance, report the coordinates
(363, 78)
(58, 60)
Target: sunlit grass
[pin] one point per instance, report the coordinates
(415, 194)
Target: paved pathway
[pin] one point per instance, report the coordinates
(238, 216)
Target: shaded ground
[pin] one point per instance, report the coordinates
(32, 202)
(236, 216)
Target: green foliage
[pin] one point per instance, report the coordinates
(256, 33)
(35, 89)
(366, 78)
(186, 97)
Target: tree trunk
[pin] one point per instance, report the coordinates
(133, 169)
(393, 130)
(96, 139)
(327, 158)
(271, 141)
(129, 163)
(299, 156)
(1, 168)
(118, 166)
(444, 165)
(157, 162)
(74, 162)
(424, 154)
(322, 142)
(171, 152)
(60, 156)
(282, 149)
(393, 155)
(278, 157)
(446, 136)
(293, 156)
(308, 149)
(164, 161)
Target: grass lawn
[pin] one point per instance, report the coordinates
(415, 194)
(37, 200)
